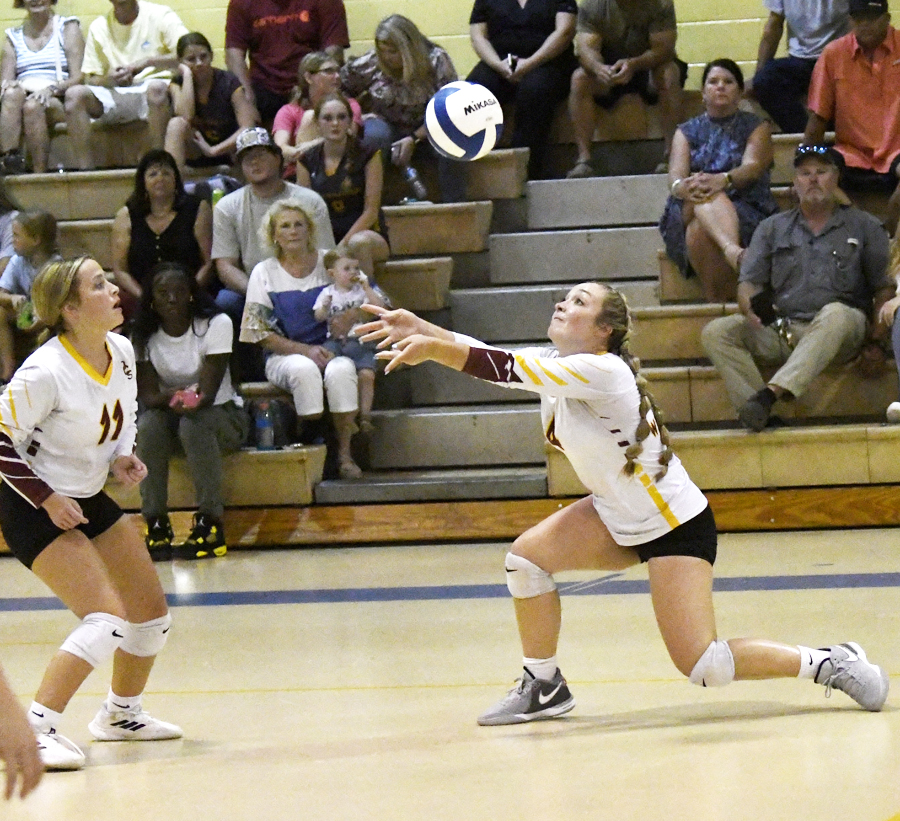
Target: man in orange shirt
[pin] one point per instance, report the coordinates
(856, 83)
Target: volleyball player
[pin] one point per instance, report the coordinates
(643, 507)
(67, 419)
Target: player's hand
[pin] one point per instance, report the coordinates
(129, 470)
(390, 327)
(18, 748)
(64, 512)
(413, 350)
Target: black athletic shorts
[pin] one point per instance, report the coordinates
(28, 530)
(638, 84)
(696, 537)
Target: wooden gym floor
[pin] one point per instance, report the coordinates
(335, 684)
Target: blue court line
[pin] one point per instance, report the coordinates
(610, 585)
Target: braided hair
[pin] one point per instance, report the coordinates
(616, 315)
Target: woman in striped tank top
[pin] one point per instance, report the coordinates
(41, 59)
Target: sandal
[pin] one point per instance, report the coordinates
(581, 170)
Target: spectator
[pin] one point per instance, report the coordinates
(41, 59)
(275, 35)
(780, 84)
(182, 345)
(855, 83)
(624, 46)
(8, 210)
(398, 78)
(719, 184)
(810, 279)
(129, 58)
(888, 318)
(349, 177)
(339, 305)
(34, 242)
(210, 108)
(279, 317)
(295, 129)
(160, 222)
(525, 55)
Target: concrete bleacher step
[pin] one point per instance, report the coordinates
(596, 201)
(673, 287)
(574, 255)
(815, 456)
(83, 195)
(119, 146)
(416, 284)
(443, 228)
(251, 477)
(522, 314)
(462, 436)
(436, 485)
(88, 237)
(500, 174)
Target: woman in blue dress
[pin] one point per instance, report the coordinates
(718, 183)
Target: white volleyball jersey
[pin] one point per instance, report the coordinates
(590, 411)
(62, 423)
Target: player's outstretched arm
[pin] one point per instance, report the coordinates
(419, 348)
(392, 326)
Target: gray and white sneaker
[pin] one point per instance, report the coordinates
(849, 671)
(58, 753)
(531, 699)
(131, 725)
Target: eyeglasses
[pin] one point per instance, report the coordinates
(803, 150)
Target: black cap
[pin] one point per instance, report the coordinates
(867, 8)
(825, 153)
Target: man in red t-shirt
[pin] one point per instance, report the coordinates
(276, 35)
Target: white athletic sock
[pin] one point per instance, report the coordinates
(116, 704)
(43, 719)
(811, 660)
(541, 668)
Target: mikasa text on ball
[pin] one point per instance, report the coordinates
(463, 120)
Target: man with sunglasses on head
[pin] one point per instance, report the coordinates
(856, 83)
(810, 282)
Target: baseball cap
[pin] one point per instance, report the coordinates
(825, 153)
(867, 8)
(255, 138)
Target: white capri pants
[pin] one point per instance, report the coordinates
(301, 376)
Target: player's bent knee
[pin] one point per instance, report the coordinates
(525, 579)
(715, 668)
(96, 638)
(148, 637)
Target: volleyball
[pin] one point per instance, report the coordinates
(463, 120)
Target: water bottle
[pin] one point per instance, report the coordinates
(265, 427)
(217, 194)
(418, 188)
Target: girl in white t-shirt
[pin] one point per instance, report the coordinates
(643, 506)
(183, 344)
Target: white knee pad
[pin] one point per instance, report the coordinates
(715, 668)
(525, 579)
(96, 638)
(148, 637)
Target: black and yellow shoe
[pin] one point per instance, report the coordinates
(206, 541)
(159, 538)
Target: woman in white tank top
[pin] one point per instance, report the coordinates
(41, 59)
